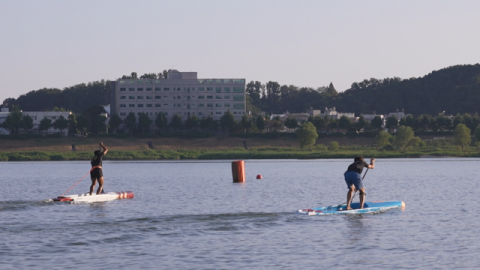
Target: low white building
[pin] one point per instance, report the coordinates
(37, 117)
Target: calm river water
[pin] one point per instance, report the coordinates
(189, 215)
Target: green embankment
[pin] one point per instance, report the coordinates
(238, 153)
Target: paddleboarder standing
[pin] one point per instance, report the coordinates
(353, 178)
(96, 173)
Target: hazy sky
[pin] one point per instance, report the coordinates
(56, 44)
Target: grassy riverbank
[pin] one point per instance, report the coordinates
(257, 153)
(48, 149)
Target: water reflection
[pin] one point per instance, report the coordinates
(357, 231)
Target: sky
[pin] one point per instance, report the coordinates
(57, 44)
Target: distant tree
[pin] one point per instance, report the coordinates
(382, 139)
(227, 120)
(307, 135)
(377, 122)
(115, 122)
(291, 122)
(82, 124)
(207, 122)
(27, 122)
(344, 122)
(45, 124)
(133, 75)
(14, 120)
(192, 122)
(149, 76)
(461, 135)
(245, 123)
(61, 123)
(161, 121)
(405, 138)
(443, 123)
(391, 123)
(319, 122)
(409, 121)
(144, 122)
(72, 124)
(361, 123)
(56, 109)
(331, 91)
(176, 122)
(333, 146)
(131, 122)
(458, 119)
(260, 123)
(477, 134)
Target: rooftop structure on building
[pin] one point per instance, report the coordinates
(181, 93)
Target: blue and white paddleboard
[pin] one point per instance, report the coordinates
(368, 207)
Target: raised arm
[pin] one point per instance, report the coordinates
(372, 164)
(105, 150)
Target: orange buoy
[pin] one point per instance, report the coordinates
(259, 176)
(238, 171)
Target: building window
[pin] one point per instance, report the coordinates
(201, 105)
(226, 81)
(178, 89)
(158, 97)
(149, 105)
(238, 106)
(226, 97)
(201, 97)
(218, 97)
(131, 105)
(158, 105)
(218, 105)
(210, 105)
(123, 105)
(140, 105)
(218, 112)
(238, 98)
(218, 81)
(149, 89)
(122, 82)
(131, 89)
(131, 97)
(218, 89)
(123, 114)
(201, 89)
(148, 97)
(238, 90)
(158, 89)
(239, 81)
(166, 89)
(178, 97)
(140, 89)
(226, 105)
(200, 113)
(226, 89)
(123, 89)
(209, 97)
(209, 88)
(140, 97)
(123, 97)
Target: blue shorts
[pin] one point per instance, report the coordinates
(353, 178)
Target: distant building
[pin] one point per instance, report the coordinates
(332, 113)
(182, 93)
(37, 117)
(397, 114)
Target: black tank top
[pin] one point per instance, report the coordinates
(97, 160)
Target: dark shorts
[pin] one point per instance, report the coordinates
(354, 178)
(96, 173)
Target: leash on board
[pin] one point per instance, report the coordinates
(79, 181)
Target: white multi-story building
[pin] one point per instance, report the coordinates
(181, 93)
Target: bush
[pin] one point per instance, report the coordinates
(321, 147)
(333, 146)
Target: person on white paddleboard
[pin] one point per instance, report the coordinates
(353, 178)
(96, 174)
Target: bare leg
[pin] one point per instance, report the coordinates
(349, 197)
(94, 181)
(362, 197)
(100, 185)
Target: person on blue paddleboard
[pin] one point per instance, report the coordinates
(353, 178)
(96, 173)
